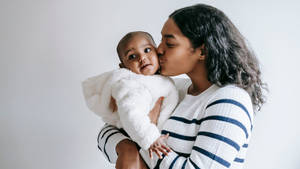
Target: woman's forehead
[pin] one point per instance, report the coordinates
(170, 30)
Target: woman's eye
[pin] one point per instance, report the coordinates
(147, 50)
(130, 57)
(169, 45)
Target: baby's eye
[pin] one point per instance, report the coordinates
(131, 56)
(147, 50)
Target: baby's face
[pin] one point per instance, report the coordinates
(139, 55)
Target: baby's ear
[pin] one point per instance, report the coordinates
(121, 65)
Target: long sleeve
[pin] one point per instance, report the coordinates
(223, 135)
(134, 103)
(97, 95)
(108, 138)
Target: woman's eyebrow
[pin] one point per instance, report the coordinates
(169, 36)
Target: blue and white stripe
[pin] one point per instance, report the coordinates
(213, 134)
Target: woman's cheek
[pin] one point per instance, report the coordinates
(170, 69)
(164, 70)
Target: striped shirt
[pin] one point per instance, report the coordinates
(208, 131)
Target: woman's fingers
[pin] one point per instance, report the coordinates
(112, 105)
(158, 103)
(154, 113)
(161, 99)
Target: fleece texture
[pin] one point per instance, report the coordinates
(135, 96)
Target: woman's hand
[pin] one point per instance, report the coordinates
(128, 156)
(112, 105)
(154, 113)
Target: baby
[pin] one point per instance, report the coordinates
(125, 96)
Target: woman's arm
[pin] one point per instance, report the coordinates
(223, 131)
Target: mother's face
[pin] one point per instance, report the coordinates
(176, 53)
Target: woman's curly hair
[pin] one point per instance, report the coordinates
(229, 60)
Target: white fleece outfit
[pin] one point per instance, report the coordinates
(135, 96)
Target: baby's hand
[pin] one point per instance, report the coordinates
(159, 146)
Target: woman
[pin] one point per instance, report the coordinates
(211, 126)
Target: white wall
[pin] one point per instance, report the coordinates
(47, 47)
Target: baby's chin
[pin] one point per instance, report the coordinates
(149, 70)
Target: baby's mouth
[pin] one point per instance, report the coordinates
(145, 65)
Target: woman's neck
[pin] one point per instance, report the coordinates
(199, 79)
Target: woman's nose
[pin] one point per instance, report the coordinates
(160, 50)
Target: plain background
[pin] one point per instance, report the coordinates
(48, 47)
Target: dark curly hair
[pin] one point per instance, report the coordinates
(229, 60)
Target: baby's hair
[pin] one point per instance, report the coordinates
(128, 37)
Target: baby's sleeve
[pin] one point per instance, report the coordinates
(93, 89)
(134, 103)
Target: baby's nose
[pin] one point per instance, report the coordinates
(143, 59)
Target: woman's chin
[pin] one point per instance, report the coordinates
(164, 72)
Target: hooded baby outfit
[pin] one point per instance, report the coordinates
(135, 96)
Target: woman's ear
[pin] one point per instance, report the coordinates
(202, 52)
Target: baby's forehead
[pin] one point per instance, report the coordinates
(140, 37)
(143, 36)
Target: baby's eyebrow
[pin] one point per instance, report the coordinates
(127, 51)
(148, 44)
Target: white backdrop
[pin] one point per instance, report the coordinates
(47, 47)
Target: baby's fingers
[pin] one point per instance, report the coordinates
(157, 153)
(150, 153)
(166, 148)
(166, 136)
(162, 150)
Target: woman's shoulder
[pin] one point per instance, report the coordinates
(234, 95)
(231, 91)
